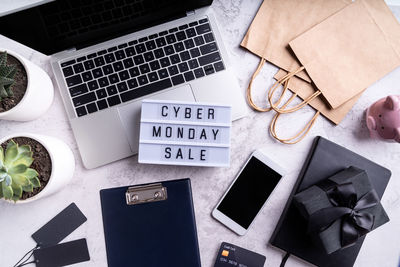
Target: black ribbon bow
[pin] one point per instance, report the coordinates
(355, 222)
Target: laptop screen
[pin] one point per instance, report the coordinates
(66, 24)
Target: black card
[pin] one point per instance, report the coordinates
(62, 254)
(60, 226)
(230, 255)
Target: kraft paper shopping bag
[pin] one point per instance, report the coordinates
(381, 13)
(349, 51)
(278, 22)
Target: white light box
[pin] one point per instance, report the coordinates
(185, 133)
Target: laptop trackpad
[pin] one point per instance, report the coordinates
(130, 113)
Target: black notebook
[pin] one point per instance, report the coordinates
(325, 159)
(150, 225)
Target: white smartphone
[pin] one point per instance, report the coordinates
(248, 193)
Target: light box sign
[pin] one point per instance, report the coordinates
(184, 133)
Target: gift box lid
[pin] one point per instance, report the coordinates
(316, 198)
(325, 159)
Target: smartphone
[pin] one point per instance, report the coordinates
(248, 193)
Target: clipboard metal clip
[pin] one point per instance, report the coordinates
(145, 193)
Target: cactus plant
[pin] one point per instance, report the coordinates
(15, 174)
(7, 74)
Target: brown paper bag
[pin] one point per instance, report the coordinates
(349, 51)
(260, 40)
(381, 13)
(278, 22)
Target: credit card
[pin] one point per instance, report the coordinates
(230, 255)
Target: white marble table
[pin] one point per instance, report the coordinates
(381, 247)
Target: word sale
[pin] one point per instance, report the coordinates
(186, 154)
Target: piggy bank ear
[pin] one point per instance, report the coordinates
(397, 135)
(371, 124)
(392, 103)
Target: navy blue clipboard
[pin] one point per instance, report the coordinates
(150, 225)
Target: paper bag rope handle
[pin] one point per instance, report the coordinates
(248, 90)
(282, 81)
(285, 80)
(300, 135)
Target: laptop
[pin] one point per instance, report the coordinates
(109, 55)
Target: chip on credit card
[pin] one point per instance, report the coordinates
(230, 255)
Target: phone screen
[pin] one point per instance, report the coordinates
(249, 192)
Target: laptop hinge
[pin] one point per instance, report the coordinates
(190, 13)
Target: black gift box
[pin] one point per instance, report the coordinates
(324, 160)
(316, 198)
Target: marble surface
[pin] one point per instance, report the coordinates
(381, 247)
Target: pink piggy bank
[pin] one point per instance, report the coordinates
(383, 118)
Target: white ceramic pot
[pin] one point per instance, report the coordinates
(38, 96)
(62, 160)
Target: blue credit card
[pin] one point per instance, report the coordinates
(230, 255)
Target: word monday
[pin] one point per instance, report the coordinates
(184, 133)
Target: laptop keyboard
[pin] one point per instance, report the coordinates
(140, 67)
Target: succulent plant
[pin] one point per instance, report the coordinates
(7, 74)
(15, 174)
